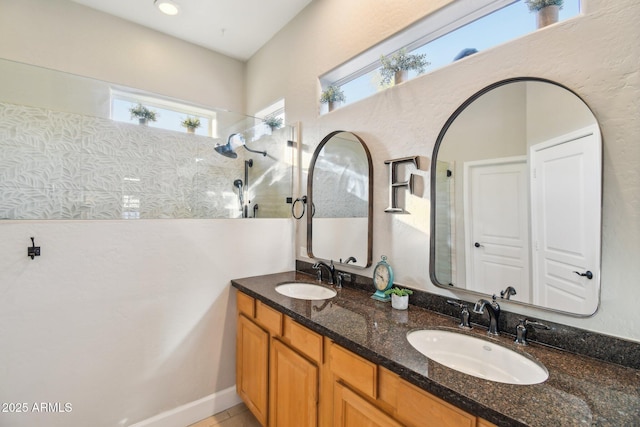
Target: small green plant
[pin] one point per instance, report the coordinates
(401, 61)
(535, 5)
(142, 112)
(332, 94)
(191, 123)
(273, 122)
(401, 292)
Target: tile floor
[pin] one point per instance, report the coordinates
(236, 416)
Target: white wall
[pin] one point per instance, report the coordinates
(66, 36)
(125, 319)
(595, 55)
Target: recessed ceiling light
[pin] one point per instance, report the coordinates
(168, 7)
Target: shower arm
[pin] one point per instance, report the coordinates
(264, 153)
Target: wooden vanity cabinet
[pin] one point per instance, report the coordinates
(277, 366)
(365, 394)
(290, 376)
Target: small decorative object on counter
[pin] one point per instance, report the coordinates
(191, 123)
(399, 297)
(143, 114)
(382, 280)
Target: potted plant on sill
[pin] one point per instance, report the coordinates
(273, 122)
(191, 123)
(332, 95)
(546, 11)
(143, 114)
(397, 66)
(399, 297)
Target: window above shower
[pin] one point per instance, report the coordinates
(63, 157)
(170, 114)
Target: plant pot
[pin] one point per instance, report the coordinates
(547, 15)
(142, 121)
(191, 129)
(399, 303)
(333, 105)
(401, 76)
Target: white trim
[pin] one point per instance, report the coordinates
(195, 411)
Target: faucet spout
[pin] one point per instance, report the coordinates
(494, 313)
(330, 268)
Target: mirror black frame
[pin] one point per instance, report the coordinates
(310, 211)
(434, 158)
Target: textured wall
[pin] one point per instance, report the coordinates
(595, 54)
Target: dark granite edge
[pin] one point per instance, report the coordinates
(450, 396)
(567, 338)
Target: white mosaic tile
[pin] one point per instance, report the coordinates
(57, 165)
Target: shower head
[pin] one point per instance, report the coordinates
(234, 141)
(238, 183)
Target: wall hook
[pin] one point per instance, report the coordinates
(34, 250)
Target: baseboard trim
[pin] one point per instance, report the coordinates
(195, 411)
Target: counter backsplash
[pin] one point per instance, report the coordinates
(575, 340)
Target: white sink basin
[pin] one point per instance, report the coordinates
(477, 357)
(305, 291)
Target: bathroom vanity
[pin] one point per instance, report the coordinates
(346, 361)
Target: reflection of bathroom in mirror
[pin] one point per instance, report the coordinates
(516, 197)
(339, 224)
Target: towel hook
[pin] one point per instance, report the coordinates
(34, 250)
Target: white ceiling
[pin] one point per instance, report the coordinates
(237, 28)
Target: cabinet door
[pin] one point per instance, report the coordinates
(252, 364)
(417, 408)
(293, 388)
(351, 410)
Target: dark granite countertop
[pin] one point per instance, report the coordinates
(580, 391)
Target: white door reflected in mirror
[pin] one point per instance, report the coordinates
(516, 197)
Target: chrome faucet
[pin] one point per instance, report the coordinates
(350, 259)
(521, 330)
(494, 313)
(330, 268)
(507, 293)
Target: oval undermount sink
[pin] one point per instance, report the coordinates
(305, 291)
(477, 357)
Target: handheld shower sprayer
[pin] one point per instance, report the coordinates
(238, 184)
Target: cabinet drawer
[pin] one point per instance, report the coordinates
(361, 374)
(418, 408)
(302, 339)
(246, 304)
(269, 318)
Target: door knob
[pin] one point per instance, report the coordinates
(478, 245)
(587, 274)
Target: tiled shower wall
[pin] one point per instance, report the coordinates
(56, 165)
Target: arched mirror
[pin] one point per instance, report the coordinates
(340, 194)
(516, 197)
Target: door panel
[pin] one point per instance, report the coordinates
(566, 221)
(497, 231)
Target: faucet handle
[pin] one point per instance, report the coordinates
(521, 330)
(464, 313)
(340, 277)
(316, 266)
